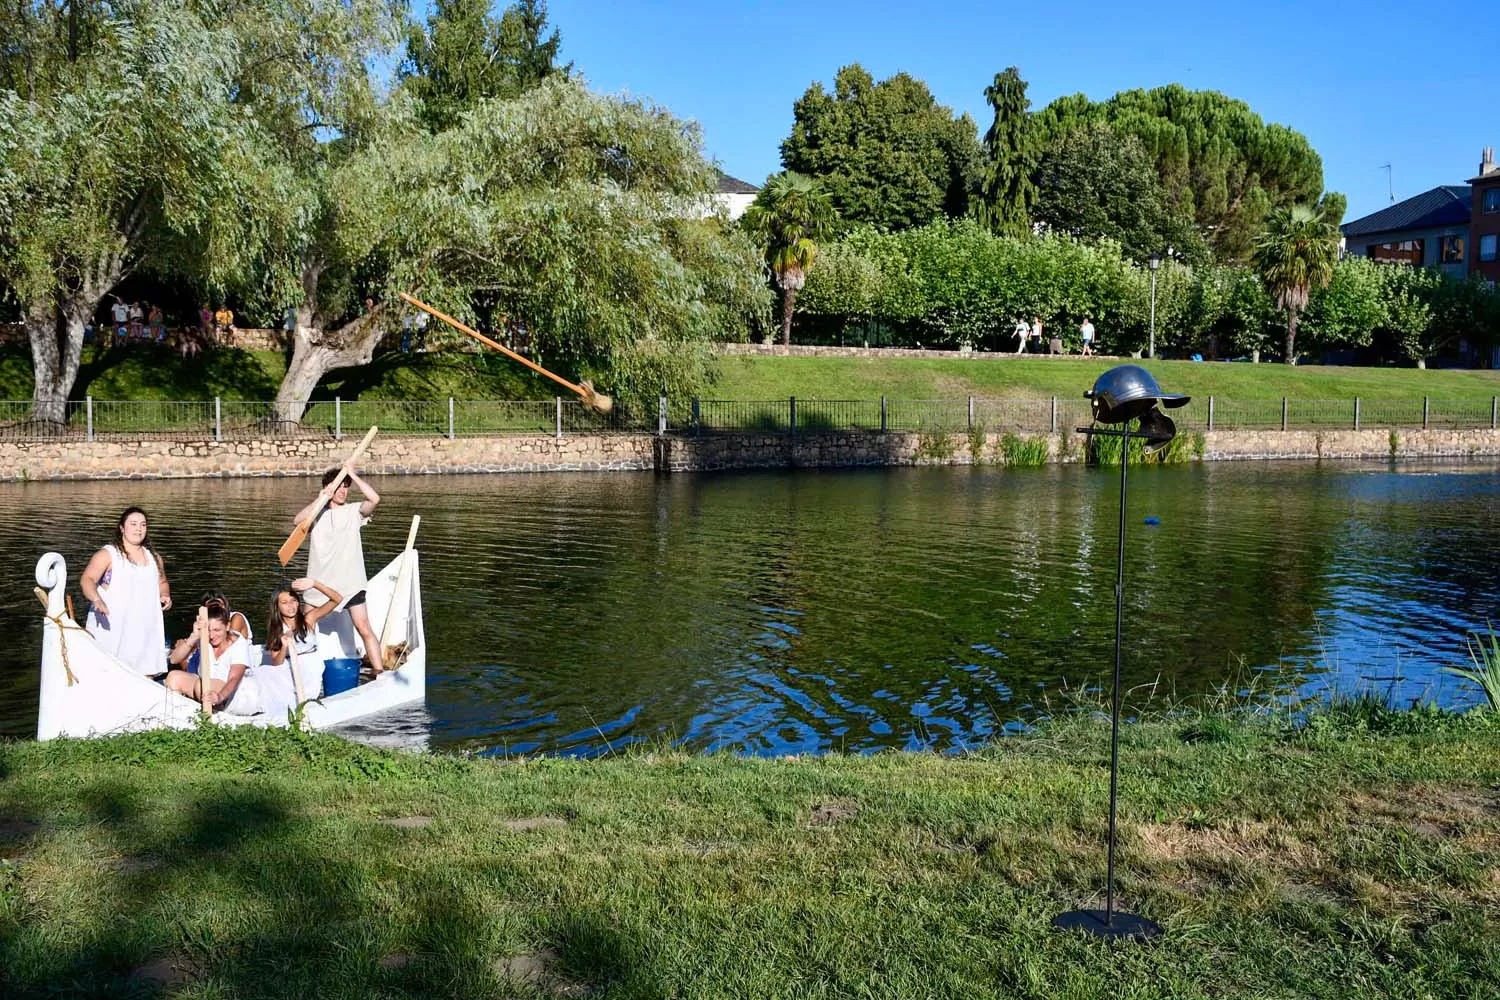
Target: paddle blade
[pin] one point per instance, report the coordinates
(595, 400)
(292, 544)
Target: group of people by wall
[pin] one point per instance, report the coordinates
(1026, 332)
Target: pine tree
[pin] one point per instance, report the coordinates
(1007, 191)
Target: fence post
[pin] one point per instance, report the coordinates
(1283, 413)
(338, 418)
(559, 417)
(661, 415)
(882, 415)
(90, 401)
(1054, 414)
(971, 414)
(1356, 413)
(1210, 413)
(1494, 410)
(450, 418)
(1424, 413)
(697, 416)
(218, 419)
(792, 413)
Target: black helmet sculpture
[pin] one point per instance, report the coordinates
(1126, 392)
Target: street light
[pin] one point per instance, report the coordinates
(1153, 262)
(1120, 395)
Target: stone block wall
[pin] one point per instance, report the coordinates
(390, 455)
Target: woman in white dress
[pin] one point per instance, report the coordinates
(126, 585)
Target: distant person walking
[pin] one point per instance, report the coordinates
(1086, 331)
(1022, 332)
(1036, 331)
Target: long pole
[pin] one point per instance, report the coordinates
(1114, 725)
(1152, 350)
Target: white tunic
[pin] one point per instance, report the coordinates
(246, 700)
(132, 631)
(335, 553)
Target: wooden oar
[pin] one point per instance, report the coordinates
(591, 397)
(403, 581)
(205, 661)
(299, 533)
(291, 657)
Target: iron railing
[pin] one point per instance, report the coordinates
(239, 420)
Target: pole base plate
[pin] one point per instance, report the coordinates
(1120, 925)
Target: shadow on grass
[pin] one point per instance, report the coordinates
(244, 887)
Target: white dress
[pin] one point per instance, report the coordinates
(246, 700)
(132, 631)
(278, 692)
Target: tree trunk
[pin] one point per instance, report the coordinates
(54, 328)
(1291, 336)
(317, 351)
(788, 304)
(1421, 362)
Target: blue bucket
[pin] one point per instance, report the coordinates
(340, 674)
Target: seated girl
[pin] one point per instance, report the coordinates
(231, 683)
(291, 628)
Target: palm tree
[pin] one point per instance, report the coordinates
(789, 216)
(1296, 253)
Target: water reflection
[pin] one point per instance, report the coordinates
(800, 612)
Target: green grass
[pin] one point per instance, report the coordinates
(1347, 857)
(157, 373)
(903, 378)
(250, 375)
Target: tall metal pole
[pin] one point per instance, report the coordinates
(1114, 725)
(1152, 351)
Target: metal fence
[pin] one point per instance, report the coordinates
(235, 420)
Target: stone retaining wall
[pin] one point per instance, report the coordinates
(157, 459)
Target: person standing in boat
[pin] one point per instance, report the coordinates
(293, 626)
(127, 589)
(335, 552)
(232, 685)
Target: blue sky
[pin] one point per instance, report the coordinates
(1368, 83)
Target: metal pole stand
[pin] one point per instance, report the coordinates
(1107, 922)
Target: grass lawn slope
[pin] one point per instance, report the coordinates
(1345, 859)
(946, 378)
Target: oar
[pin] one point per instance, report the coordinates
(403, 581)
(294, 540)
(205, 661)
(291, 655)
(591, 397)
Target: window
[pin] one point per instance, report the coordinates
(1487, 246)
(1453, 250)
(1404, 252)
(1490, 203)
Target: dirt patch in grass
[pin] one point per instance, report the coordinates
(1241, 841)
(173, 970)
(408, 822)
(15, 828)
(833, 811)
(529, 823)
(1433, 811)
(538, 970)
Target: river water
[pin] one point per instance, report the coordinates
(793, 612)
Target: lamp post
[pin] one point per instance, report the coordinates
(1120, 395)
(1153, 262)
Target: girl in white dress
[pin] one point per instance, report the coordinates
(292, 625)
(126, 585)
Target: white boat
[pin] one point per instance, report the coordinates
(87, 692)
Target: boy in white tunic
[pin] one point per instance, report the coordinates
(336, 555)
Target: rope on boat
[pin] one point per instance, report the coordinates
(62, 641)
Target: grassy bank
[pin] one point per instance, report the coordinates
(159, 374)
(906, 378)
(1357, 857)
